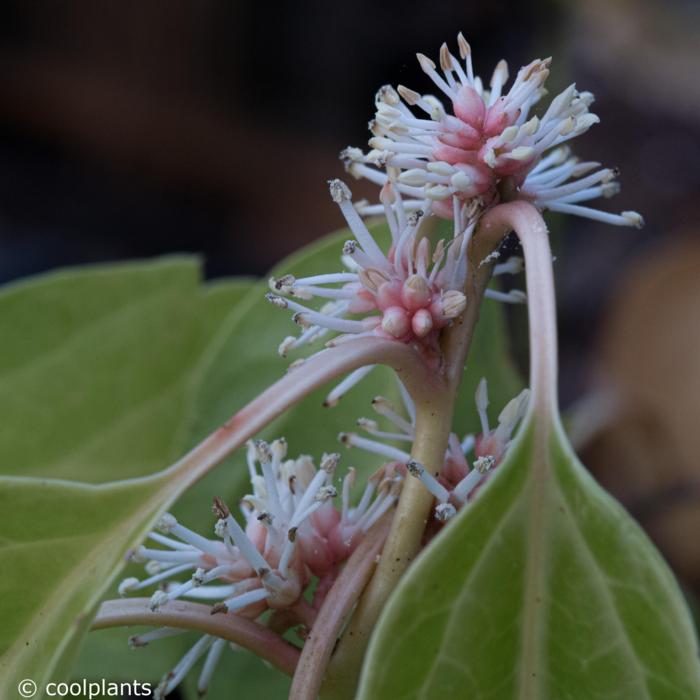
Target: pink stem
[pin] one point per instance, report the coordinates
(195, 616)
(348, 587)
(295, 385)
(527, 222)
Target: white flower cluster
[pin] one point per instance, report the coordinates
(293, 533)
(486, 146)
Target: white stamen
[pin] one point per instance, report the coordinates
(168, 542)
(514, 296)
(354, 440)
(428, 480)
(482, 401)
(247, 548)
(243, 600)
(468, 443)
(385, 408)
(173, 679)
(133, 584)
(464, 488)
(210, 665)
(444, 511)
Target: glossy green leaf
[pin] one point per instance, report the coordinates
(61, 543)
(97, 372)
(89, 358)
(543, 588)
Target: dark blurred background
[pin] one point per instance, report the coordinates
(137, 128)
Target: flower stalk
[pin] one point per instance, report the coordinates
(195, 616)
(434, 418)
(529, 226)
(320, 643)
(294, 386)
(434, 414)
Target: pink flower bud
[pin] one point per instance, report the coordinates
(422, 323)
(469, 106)
(396, 322)
(453, 155)
(343, 540)
(497, 118)
(415, 293)
(453, 303)
(388, 295)
(520, 153)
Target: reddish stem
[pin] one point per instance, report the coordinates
(295, 385)
(526, 221)
(195, 616)
(348, 587)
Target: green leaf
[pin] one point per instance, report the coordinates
(97, 374)
(97, 368)
(543, 587)
(61, 542)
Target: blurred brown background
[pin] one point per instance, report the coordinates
(136, 128)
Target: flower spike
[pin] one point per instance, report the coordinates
(486, 147)
(293, 533)
(456, 482)
(407, 293)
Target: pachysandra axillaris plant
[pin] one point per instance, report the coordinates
(467, 558)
